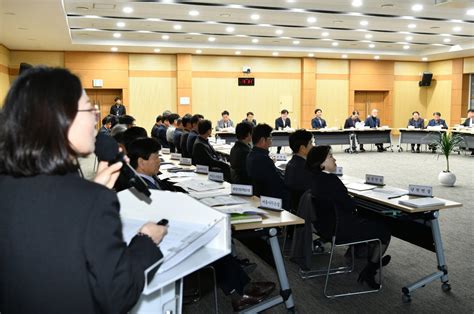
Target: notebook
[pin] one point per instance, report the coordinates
(422, 202)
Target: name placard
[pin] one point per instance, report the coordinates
(241, 189)
(202, 169)
(271, 203)
(373, 179)
(165, 151)
(338, 171)
(185, 161)
(220, 141)
(175, 156)
(420, 190)
(280, 157)
(216, 176)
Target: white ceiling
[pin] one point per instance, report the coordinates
(90, 25)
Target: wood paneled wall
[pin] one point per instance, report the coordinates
(4, 76)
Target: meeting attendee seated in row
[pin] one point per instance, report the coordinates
(118, 109)
(373, 122)
(183, 137)
(156, 127)
(418, 123)
(178, 133)
(163, 128)
(317, 122)
(250, 118)
(351, 122)
(107, 124)
(282, 122)
(437, 121)
(192, 135)
(297, 176)
(239, 153)
(267, 180)
(204, 154)
(469, 122)
(173, 121)
(225, 122)
(127, 120)
(330, 198)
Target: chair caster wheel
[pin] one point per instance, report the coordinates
(446, 287)
(406, 298)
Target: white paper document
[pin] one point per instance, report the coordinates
(201, 185)
(205, 194)
(360, 186)
(243, 209)
(222, 200)
(422, 202)
(168, 175)
(386, 192)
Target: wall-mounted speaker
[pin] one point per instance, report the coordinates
(426, 79)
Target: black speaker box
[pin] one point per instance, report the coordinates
(426, 79)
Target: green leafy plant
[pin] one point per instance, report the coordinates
(446, 144)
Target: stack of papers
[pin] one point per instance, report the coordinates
(243, 214)
(200, 185)
(386, 192)
(422, 202)
(168, 175)
(205, 194)
(360, 186)
(222, 200)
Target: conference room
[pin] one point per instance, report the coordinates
(236, 156)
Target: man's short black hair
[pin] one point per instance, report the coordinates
(165, 118)
(298, 138)
(415, 112)
(437, 113)
(186, 119)
(243, 129)
(159, 118)
(250, 113)
(132, 134)
(316, 111)
(142, 148)
(261, 130)
(225, 112)
(172, 117)
(126, 119)
(204, 126)
(117, 98)
(179, 121)
(470, 110)
(284, 111)
(355, 112)
(109, 119)
(195, 118)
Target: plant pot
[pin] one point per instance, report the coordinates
(447, 178)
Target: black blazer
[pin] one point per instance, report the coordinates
(318, 123)
(254, 122)
(418, 124)
(204, 154)
(62, 249)
(373, 123)
(118, 110)
(297, 177)
(467, 121)
(238, 163)
(184, 144)
(193, 135)
(350, 123)
(279, 123)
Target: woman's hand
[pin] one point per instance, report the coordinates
(154, 231)
(107, 175)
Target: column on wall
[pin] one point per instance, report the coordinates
(308, 90)
(456, 92)
(184, 87)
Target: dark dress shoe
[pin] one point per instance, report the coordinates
(259, 288)
(245, 302)
(367, 275)
(362, 150)
(412, 150)
(247, 266)
(418, 150)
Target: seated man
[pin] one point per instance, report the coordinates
(204, 154)
(469, 122)
(107, 124)
(374, 123)
(436, 122)
(267, 180)
(317, 122)
(417, 123)
(156, 127)
(225, 122)
(145, 159)
(351, 123)
(193, 134)
(183, 142)
(250, 119)
(165, 123)
(177, 135)
(239, 152)
(282, 122)
(173, 120)
(128, 120)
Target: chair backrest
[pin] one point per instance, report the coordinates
(295, 196)
(326, 218)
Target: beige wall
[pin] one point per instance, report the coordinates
(4, 78)
(277, 86)
(438, 97)
(468, 65)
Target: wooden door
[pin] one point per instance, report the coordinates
(104, 99)
(360, 104)
(366, 101)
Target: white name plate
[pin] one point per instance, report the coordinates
(175, 156)
(202, 169)
(271, 203)
(420, 190)
(241, 189)
(338, 171)
(216, 176)
(373, 179)
(185, 161)
(165, 151)
(280, 157)
(220, 141)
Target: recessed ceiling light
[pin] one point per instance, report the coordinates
(297, 10)
(177, 27)
(344, 56)
(411, 25)
(296, 42)
(371, 46)
(311, 19)
(447, 40)
(114, 49)
(356, 3)
(255, 40)
(355, 13)
(406, 47)
(417, 7)
(275, 54)
(117, 35)
(368, 36)
(230, 29)
(152, 19)
(311, 55)
(255, 17)
(325, 34)
(408, 38)
(335, 44)
(127, 10)
(291, 1)
(387, 5)
(457, 28)
(235, 6)
(165, 37)
(364, 23)
(237, 52)
(211, 39)
(470, 12)
(120, 24)
(279, 32)
(424, 59)
(91, 16)
(376, 57)
(199, 51)
(193, 13)
(156, 50)
(144, 32)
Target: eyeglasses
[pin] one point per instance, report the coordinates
(95, 110)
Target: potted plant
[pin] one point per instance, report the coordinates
(446, 144)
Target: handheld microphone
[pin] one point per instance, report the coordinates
(107, 149)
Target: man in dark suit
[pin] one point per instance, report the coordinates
(239, 153)
(267, 180)
(351, 122)
(373, 122)
(418, 123)
(118, 109)
(317, 122)
(437, 121)
(469, 122)
(282, 122)
(156, 127)
(250, 118)
(193, 134)
(187, 127)
(165, 123)
(107, 124)
(204, 154)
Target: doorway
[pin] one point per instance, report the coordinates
(366, 101)
(104, 99)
